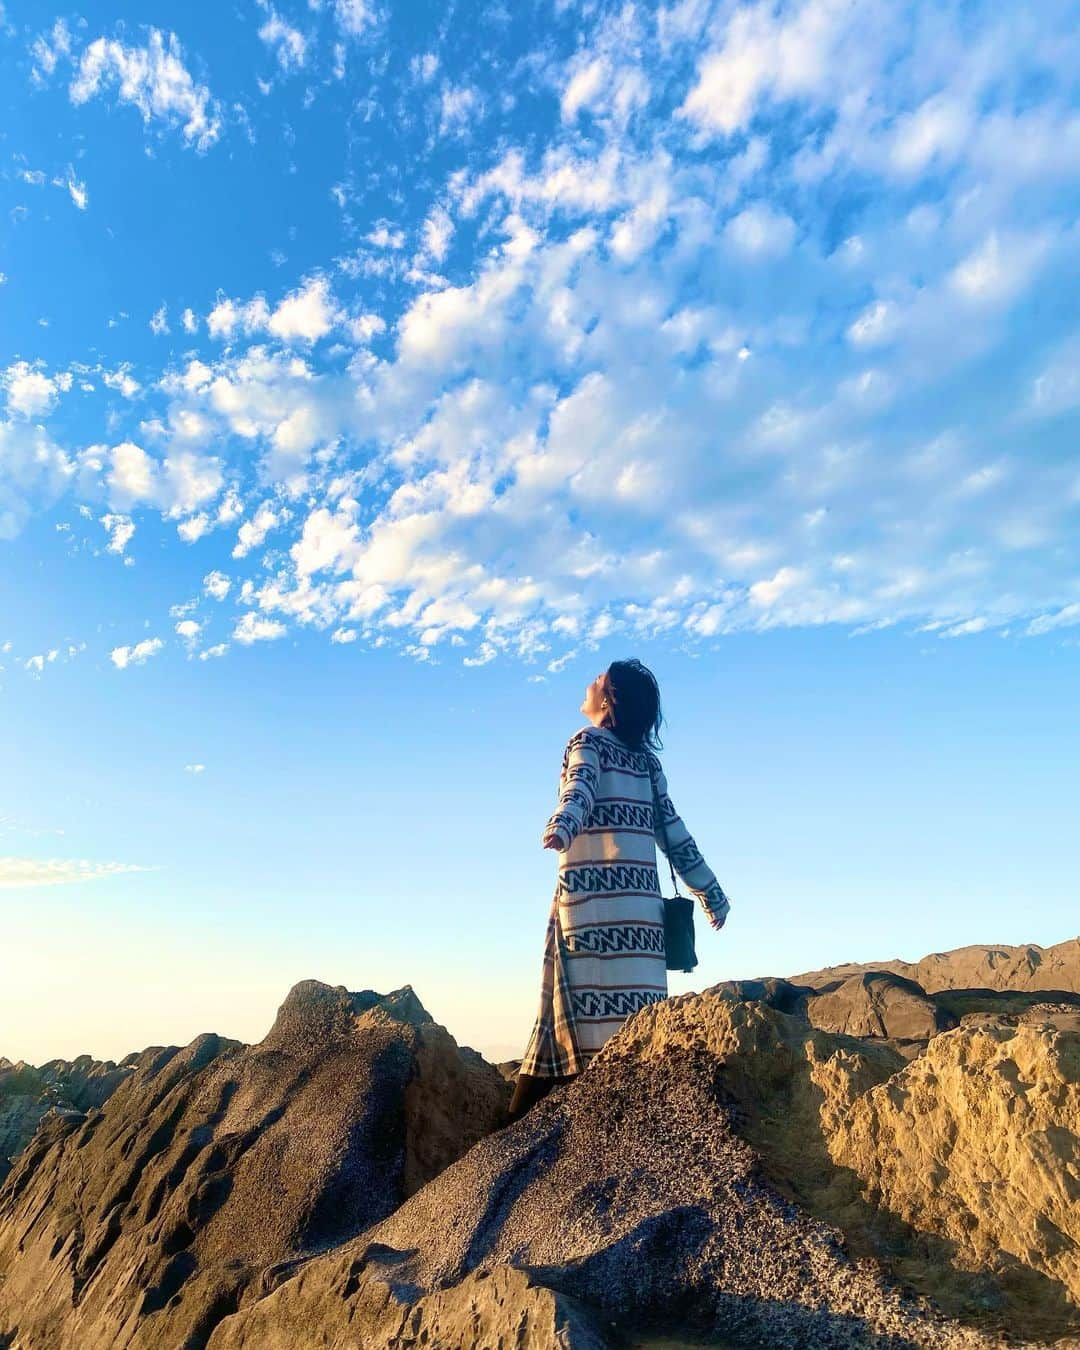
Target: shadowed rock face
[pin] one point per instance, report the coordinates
(881, 1004)
(213, 1167)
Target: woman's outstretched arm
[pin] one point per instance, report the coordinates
(686, 857)
(580, 778)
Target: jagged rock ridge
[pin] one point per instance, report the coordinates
(213, 1166)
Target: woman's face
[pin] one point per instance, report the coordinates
(594, 697)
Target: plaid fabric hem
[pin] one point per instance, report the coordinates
(553, 1050)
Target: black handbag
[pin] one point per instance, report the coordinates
(678, 909)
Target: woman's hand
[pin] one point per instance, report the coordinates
(716, 908)
(555, 840)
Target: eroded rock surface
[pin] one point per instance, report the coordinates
(978, 1141)
(683, 1182)
(736, 1168)
(213, 1168)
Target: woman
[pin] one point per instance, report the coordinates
(604, 954)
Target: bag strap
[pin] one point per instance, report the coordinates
(658, 811)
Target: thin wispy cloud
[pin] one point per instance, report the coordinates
(26, 872)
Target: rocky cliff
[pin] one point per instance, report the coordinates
(214, 1168)
(861, 1163)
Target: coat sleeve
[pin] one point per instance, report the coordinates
(685, 856)
(578, 782)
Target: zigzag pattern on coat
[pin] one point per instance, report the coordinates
(627, 937)
(613, 876)
(621, 815)
(613, 756)
(686, 856)
(613, 1002)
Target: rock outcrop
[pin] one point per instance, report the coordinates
(880, 1004)
(978, 967)
(213, 1168)
(686, 1184)
(29, 1093)
(853, 1164)
(978, 1142)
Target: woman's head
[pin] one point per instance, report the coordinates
(626, 699)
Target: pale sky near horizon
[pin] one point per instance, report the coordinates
(370, 377)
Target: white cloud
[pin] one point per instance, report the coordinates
(999, 268)
(177, 485)
(507, 470)
(153, 79)
(34, 472)
(252, 533)
(254, 628)
(760, 231)
(30, 392)
(343, 635)
(121, 529)
(354, 17)
(938, 129)
(121, 380)
(209, 653)
(188, 629)
(438, 231)
(384, 235)
(966, 628)
(423, 67)
(364, 327)
(58, 871)
(49, 51)
(876, 324)
(1067, 617)
(229, 316)
(36, 664)
(194, 768)
(1057, 388)
(122, 657)
(216, 585)
(287, 42)
(76, 190)
(762, 55)
(306, 314)
(459, 107)
(188, 319)
(583, 87)
(159, 322)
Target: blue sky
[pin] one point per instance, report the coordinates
(370, 377)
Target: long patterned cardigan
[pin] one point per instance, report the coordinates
(604, 955)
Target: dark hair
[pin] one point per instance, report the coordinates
(633, 697)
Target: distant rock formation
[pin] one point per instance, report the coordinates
(213, 1168)
(61, 1086)
(855, 1163)
(979, 967)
